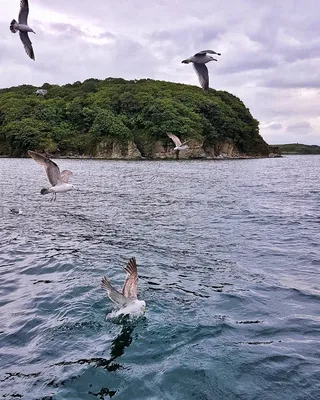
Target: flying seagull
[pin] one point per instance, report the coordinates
(41, 92)
(127, 299)
(58, 180)
(199, 60)
(23, 28)
(177, 142)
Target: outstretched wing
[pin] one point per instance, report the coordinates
(113, 294)
(65, 175)
(24, 12)
(129, 289)
(51, 168)
(175, 139)
(204, 52)
(27, 44)
(203, 75)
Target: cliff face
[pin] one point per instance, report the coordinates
(117, 119)
(160, 150)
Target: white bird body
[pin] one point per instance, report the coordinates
(200, 59)
(127, 300)
(182, 147)
(134, 308)
(63, 187)
(24, 28)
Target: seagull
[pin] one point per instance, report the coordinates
(15, 210)
(127, 300)
(58, 180)
(23, 28)
(199, 60)
(41, 92)
(179, 145)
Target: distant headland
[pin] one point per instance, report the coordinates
(298, 148)
(119, 119)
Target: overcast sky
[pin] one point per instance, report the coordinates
(270, 51)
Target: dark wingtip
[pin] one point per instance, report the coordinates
(44, 191)
(103, 282)
(131, 267)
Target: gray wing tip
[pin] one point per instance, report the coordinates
(105, 283)
(34, 154)
(131, 267)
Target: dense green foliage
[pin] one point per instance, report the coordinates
(297, 148)
(77, 117)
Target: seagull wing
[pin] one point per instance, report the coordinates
(203, 75)
(51, 168)
(129, 289)
(175, 139)
(27, 44)
(113, 294)
(65, 175)
(24, 12)
(204, 52)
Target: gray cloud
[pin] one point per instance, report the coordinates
(302, 127)
(294, 82)
(270, 52)
(65, 29)
(275, 126)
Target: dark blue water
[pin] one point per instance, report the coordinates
(228, 254)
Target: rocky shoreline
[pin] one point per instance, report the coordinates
(112, 150)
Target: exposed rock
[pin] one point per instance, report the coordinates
(274, 151)
(115, 150)
(225, 149)
(194, 150)
(130, 150)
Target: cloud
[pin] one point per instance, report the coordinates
(270, 52)
(302, 127)
(275, 126)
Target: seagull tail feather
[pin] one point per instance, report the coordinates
(14, 26)
(44, 191)
(187, 61)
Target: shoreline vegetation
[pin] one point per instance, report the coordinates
(128, 120)
(298, 148)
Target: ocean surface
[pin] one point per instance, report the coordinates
(228, 256)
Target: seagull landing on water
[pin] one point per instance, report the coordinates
(199, 60)
(127, 300)
(58, 180)
(23, 28)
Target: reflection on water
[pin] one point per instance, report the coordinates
(117, 348)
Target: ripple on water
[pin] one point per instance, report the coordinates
(228, 267)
